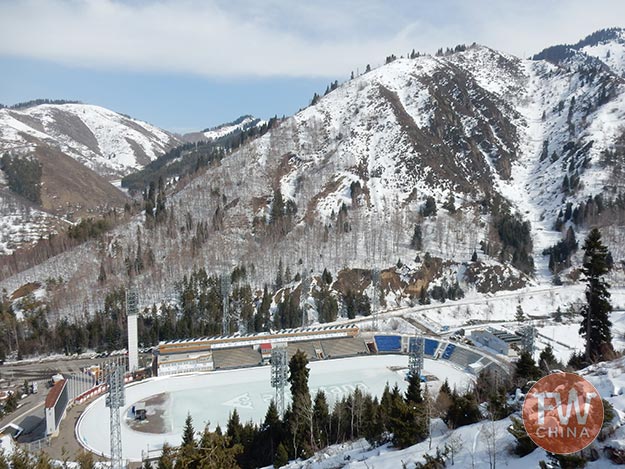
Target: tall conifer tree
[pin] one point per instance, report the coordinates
(595, 326)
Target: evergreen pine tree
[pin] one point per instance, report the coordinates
(302, 408)
(187, 451)
(558, 316)
(281, 458)
(463, 410)
(326, 277)
(416, 241)
(547, 360)
(234, 428)
(413, 393)
(188, 434)
(166, 460)
(279, 277)
(321, 420)
(526, 369)
(524, 445)
(429, 209)
(596, 325)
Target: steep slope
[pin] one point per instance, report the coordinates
(501, 145)
(67, 192)
(71, 190)
(200, 149)
(109, 143)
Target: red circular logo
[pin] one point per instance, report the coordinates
(563, 413)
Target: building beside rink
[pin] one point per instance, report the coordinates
(496, 339)
(55, 406)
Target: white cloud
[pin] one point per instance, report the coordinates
(221, 38)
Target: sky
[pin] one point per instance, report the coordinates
(190, 64)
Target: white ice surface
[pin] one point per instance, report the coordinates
(210, 397)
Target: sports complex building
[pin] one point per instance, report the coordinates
(210, 377)
(319, 343)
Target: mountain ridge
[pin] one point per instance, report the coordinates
(511, 152)
(107, 142)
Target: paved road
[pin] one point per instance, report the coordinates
(30, 414)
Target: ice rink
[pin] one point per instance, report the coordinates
(210, 397)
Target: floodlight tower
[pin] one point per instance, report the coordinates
(132, 301)
(116, 400)
(225, 296)
(415, 358)
(375, 300)
(279, 371)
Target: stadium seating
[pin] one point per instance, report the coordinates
(309, 347)
(429, 346)
(236, 357)
(449, 350)
(388, 343)
(333, 348)
(464, 357)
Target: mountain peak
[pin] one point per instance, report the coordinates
(110, 143)
(605, 45)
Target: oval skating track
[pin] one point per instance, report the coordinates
(210, 397)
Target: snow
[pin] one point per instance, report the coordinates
(224, 130)
(612, 53)
(7, 445)
(472, 442)
(111, 133)
(210, 397)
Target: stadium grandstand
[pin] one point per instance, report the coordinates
(241, 350)
(318, 343)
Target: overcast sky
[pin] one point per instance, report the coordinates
(189, 64)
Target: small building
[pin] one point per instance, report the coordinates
(265, 352)
(495, 339)
(140, 411)
(55, 406)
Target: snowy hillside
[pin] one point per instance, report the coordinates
(225, 130)
(109, 143)
(482, 445)
(243, 123)
(491, 140)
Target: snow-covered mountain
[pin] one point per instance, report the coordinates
(512, 151)
(242, 123)
(605, 45)
(109, 143)
(476, 127)
(237, 126)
